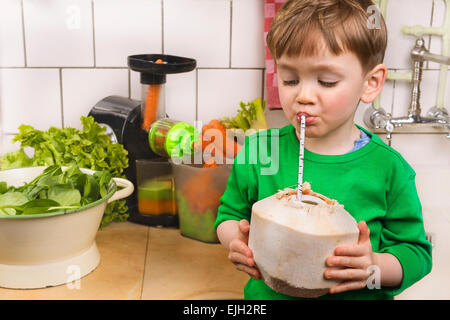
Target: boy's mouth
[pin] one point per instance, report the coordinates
(309, 119)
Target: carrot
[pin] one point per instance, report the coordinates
(217, 125)
(205, 143)
(208, 148)
(208, 154)
(151, 103)
(201, 192)
(224, 144)
(206, 165)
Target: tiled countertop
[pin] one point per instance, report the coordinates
(141, 262)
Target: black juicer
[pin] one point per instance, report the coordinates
(128, 121)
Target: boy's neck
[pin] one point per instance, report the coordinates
(337, 142)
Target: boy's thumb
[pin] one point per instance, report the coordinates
(244, 227)
(364, 232)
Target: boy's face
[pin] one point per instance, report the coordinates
(327, 88)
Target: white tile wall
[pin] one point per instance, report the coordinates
(83, 88)
(404, 13)
(428, 89)
(181, 98)
(30, 96)
(387, 95)
(199, 29)
(433, 183)
(58, 33)
(66, 55)
(416, 148)
(220, 91)
(124, 28)
(438, 21)
(6, 144)
(247, 48)
(11, 34)
(401, 98)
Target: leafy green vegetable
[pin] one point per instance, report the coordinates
(250, 116)
(87, 148)
(53, 190)
(64, 195)
(11, 199)
(3, 187)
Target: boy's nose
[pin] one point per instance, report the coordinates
(305, 95)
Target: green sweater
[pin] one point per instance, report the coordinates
(374, 183)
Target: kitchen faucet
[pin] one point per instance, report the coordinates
(436, 117)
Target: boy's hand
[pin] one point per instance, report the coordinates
(240, 254)
(350, 263)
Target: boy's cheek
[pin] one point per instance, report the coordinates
(342, 102)
(288, 113)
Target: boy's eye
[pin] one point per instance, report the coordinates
(328, 84)
(290, 82)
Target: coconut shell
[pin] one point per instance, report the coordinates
(291, 240)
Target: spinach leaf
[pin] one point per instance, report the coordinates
(9, 200)
(54, 190)
(38, 206)
(91, 188)
(65, 195)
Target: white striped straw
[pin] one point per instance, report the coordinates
(301, 158)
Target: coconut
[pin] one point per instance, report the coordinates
(291, 240)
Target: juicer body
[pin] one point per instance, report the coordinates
(122, 118)
(128, 122)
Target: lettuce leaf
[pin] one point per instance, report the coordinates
(88, 148)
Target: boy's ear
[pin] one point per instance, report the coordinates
(373, 83)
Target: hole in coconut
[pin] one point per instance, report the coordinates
(310, 202)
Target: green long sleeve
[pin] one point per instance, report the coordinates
(374, 183)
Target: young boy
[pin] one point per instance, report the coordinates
(329, 58)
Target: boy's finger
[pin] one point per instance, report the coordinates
(348, 285)
(346, 261)
(354, 250)
(346, 274)
(364, 232)
(252, 272)
(236, 257)
(240, 247)
(244, 226)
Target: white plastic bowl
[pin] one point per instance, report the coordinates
(50, 249)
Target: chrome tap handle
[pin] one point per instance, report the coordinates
(375, 118)
(442, 117)
(421, 53)
(436, 58)
(389, 127)
(417, 56)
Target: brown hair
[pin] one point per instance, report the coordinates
(299, 24)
